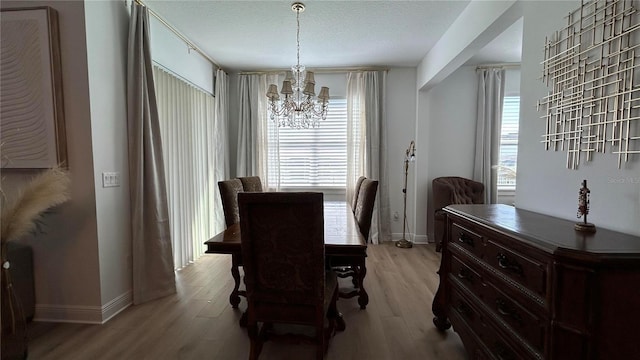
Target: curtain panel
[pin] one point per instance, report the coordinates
(152, 258)
(254, 157)
(488, 126)
(367, 148)
(189, 131)
(219, 162)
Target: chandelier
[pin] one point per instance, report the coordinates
(298, 109)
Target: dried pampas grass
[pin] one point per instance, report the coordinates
(21, 214)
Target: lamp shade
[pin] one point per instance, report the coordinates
(324, 94)
(290, 78)
(309, 78)
(309, 89)
(286, 88)
(272, 92)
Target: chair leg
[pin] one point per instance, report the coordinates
(334, 315)
(321, 342)
(256, 342)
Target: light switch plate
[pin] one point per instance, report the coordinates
(110, 179)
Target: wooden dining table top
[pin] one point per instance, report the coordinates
(341, 233)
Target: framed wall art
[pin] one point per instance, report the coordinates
(32, 131)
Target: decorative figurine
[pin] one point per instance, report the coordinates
(583, 209)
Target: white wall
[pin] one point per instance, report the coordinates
(544, 183)
(172, 53)
(448, 123)
(475, 27)
(401, 129)
(512, 82)
(107, 68)
(67, 277)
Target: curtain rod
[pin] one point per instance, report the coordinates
(178, 34)
(503, 65)
(317, 70)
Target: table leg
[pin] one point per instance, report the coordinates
(234, 298)
(363, 299)
(244, 320)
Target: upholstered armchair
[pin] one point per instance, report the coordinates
(449, 190)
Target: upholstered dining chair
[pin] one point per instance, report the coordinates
(229, 190)
(363, 213)
(448, 190)
(364, 205)
(356, 190)
(282, 241)
(251, 183)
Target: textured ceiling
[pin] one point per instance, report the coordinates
(258, 35)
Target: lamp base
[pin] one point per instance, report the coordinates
(585, 227)
(404, 243)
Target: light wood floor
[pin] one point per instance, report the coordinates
(199, 323)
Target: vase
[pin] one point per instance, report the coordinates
(14, 324)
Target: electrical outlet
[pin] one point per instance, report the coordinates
(396, 216)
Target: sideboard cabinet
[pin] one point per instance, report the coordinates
(516, 284)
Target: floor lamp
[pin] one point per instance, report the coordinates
(410, 156)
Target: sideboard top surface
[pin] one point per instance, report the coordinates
(549, 233)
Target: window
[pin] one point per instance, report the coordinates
(509, 143)
(314, 158)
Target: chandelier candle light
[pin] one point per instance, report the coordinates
(298, 109)
(410, 156)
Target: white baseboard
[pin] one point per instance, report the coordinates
(117, 305)
(416, 239)
(83, 314)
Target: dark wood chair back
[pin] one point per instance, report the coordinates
(229, 190)
(282, 238)
(251, 183)
(449, 190)
(364, 205)
(356, 190)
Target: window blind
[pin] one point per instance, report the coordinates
(315, 158)
(509, 142)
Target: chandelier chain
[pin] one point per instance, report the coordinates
(298, 36)
(298, 73)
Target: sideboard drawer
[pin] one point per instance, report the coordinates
(529, 326)
(461, 305)
(528, 272)
(470, 240)
(465, 275)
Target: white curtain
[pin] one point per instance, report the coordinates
(191, 130)
(254, 134)
(153, 275)
(367, 143)
(222, 143)
(488, 127)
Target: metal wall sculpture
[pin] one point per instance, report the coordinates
(590, 66)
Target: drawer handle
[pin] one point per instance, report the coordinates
(465, 274)
(464, 309)
(465, 239)
(508, 264)
(508, 311)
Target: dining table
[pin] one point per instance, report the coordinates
(344, 247)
